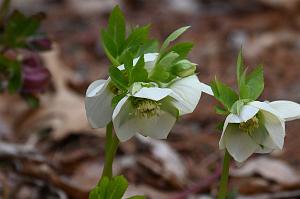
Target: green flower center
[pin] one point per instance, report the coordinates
(250, 125)
(145, 108)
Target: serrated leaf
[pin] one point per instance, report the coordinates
(253, 85)
(224, 94)
(139, 73)
(172, 37)
(117, 28)
(118, 78)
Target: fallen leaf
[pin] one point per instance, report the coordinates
(270, 169)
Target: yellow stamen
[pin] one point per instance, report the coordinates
(250, 125)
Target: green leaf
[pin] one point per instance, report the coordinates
(150, 46)
(253, 85)
(172, 37)
(139, 73)
(117, 187)
(237, 107)
(138, 36)
(182, 49)
(240, 67)
(162, 70)
(18, 28)
(117, 28)
(110, 47)
(221, 111)
(168, 60)
(224, 94)
(183, 68)
(101, 190)
(13, 69)
(116, 99)
(118, 78)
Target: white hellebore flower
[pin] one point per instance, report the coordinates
(146, 109)
(258, 128)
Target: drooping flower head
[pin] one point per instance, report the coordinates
(146, 107)
(252, 126)
(145, 92)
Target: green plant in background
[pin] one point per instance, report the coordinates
(21, 68)
(250, 126)
(147, 89)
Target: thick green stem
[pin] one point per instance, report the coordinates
(111, 146)
(224, 178)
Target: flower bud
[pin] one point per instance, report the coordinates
(184, 68)
(36, 77)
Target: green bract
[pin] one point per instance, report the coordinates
(250, 87)
(118, 46)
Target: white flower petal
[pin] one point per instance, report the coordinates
(229, 119)
(149, 59)
(264, 106)
(206, 89)
(275, 127)
(273, 122)
(188, 91)
(98, 104)
(238, 143)
(126, 124)
(95, 87)
(288, 110)
(248, 112)
(153, 93)
(123, 124)
(157, 127)
(262, 138)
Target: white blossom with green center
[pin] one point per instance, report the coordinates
(258, 128)
(148, 108)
